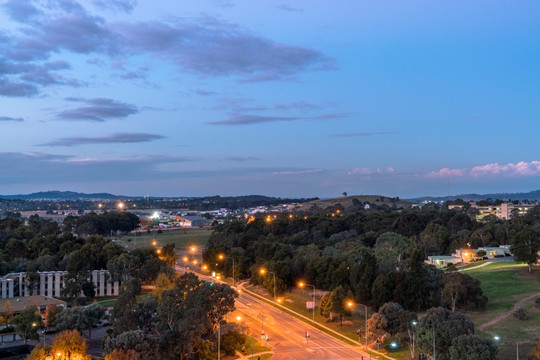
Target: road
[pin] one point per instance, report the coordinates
(287, 334)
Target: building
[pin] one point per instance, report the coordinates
(16, 305)
(51, 283)
(191, 221)
(443, 260)
(469, 255)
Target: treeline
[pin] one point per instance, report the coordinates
(378, 256)
(102, 224)
(43, 244)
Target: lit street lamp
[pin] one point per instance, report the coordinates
(498, 338)
(313, 286)
(351, 304)
(263, 271)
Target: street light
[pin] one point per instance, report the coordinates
(263, 271)
(219, 339)
(414, 323)
(498, 338)
(302, 284)
(351, 304)
(221, 257)
(434, 350)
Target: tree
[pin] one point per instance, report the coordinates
(391, 249)
(407, 330)
(525, 247)
(77, 278)
(447, 326)
(31, 277)
(336, 303)
(80, 318)
(119, 354)
(168, 254)
(70, 345)
(452, 292)
(122, 315)
(345, 193)
(145, 314)
(472, 347)
(94, 314)
(143, 345)
(52, 314)
(383, 289)
(460, 290)
(232, 340)
(162, 283)
(434, 239)
(377, 324)
(392, 312)
(27, 324)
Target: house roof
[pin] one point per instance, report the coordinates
(18, 304)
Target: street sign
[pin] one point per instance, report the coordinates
(310, 305)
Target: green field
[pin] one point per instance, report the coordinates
(181, 239)
(505, 284)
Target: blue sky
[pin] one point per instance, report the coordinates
(297, 98)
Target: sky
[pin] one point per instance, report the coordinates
(281, 98)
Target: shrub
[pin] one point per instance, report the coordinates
(521, 314)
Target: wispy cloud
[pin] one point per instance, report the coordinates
(522, 168)
(245, 119)
(361, 134)
(519, 169)
(122, 5)
(7, 118)
(206, 46)
(297, 172)
(119, 138)
(360, 171)
(212, 47)
(46, 167)
(98, 110)
(289, 8)
(445, 172)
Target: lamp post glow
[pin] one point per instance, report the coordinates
(302, 284)
(351, 304)
(414, 323)
(263, 271)
(498, 338)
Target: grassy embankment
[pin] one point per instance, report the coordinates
(505, 284)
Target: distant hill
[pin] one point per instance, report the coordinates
(531, 195)
(64, 195)
(347, 202)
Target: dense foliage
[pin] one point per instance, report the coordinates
(377, 255)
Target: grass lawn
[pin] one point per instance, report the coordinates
(181, 239)
(476, 263)
(505, 288)
(497, 266)
(258, 347)
(505, 284)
